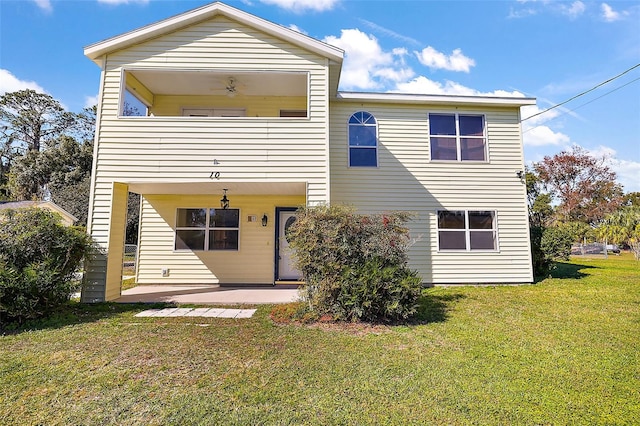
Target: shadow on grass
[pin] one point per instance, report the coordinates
(435, 307)
(565, 270)
(78, 313)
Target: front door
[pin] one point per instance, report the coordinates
(286, 270)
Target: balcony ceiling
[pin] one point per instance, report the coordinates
(219, 83)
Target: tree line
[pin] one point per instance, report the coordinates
(574, 197)
(46, 153)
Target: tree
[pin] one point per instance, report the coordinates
(133, 218)
(61, 173)
(33, 120)
(539, 203)
(70, 176)
(623, 227)
(584, 186)
(631, 199)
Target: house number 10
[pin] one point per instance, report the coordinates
(215, 175)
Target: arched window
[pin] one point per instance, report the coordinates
(363, 140)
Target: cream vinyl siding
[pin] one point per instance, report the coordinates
(253, 263)
(183, 149)
(405, 179)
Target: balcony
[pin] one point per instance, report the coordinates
(204, 94)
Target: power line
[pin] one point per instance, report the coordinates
(583, 93)
(586, 103)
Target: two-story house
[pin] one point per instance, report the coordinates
(239, 121)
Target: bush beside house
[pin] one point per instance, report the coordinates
(355, 265)
(38, 259)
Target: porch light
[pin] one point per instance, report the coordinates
(265, 219)
(224, 201)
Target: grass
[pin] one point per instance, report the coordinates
(563, 351)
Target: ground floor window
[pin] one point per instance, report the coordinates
(207, 229)
(465, 230)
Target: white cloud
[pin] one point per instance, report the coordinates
(294, 27)
(534, 133)
(44, 5)
(543, 135)
(366, 64)
(627, 171)
(10, 83)
(423, 85)
(90, 101)
(610, 15)
(389, 32)
(529, 111)
(576, 9)
(523, 13)
(303, 5)
(118, 2)
(457, 61)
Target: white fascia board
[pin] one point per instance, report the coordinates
(404, 98)
(96, 50)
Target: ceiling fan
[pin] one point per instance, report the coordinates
(230, 86)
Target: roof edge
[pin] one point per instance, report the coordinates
(435, 99)
(96, 50)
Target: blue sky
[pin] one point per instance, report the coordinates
(551, 50)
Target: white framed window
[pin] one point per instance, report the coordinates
(200, 229)
(457, 137)
(467, 230)
(363, 140)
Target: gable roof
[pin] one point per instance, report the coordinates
(5, 205)
(97, 50)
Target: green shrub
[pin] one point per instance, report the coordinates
(38, 259)
(549, 245)
(354, 265)
(556, 243)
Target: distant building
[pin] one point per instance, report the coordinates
(67, 218)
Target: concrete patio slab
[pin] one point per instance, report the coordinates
(208, 295)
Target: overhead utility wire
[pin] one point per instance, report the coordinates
(586, 103)
(582, 94)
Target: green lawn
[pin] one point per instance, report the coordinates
(563, 351)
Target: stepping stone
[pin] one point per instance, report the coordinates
(180, 312)
(147, 313)
(213, 313)
(165, 312)
(228, 313)
(198, 312)
(245, 313)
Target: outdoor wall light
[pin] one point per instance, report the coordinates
(224, 201)
(520, 174)
(265, 220)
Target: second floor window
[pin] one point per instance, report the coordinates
(457, 137)
(363, 140)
